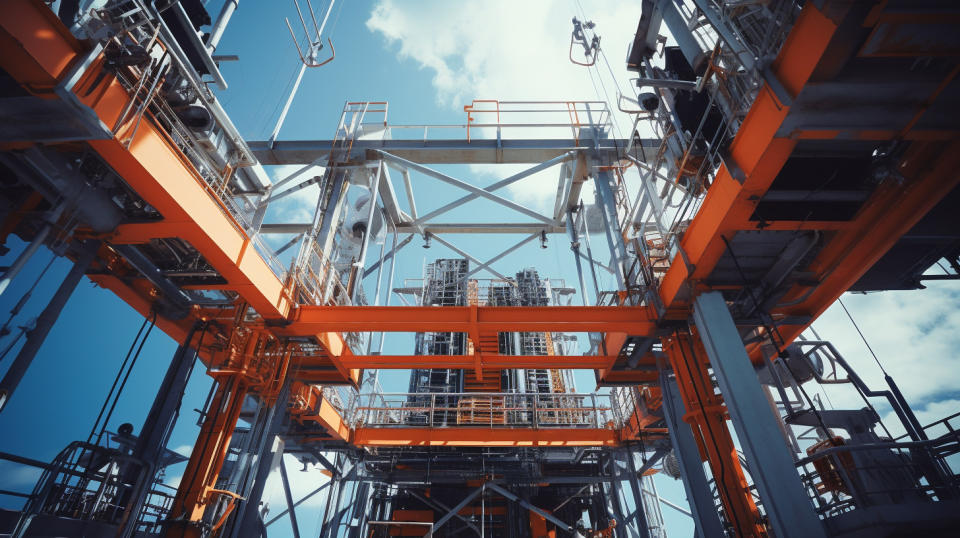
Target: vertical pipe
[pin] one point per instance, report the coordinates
(37, 335)
(376, 295)
(229, 6)
(608, 209)
(575, 247)
(586, 238)
(365, 246)
(393, 261)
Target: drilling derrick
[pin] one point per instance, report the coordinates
(779, 154)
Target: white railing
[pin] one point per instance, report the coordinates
(495, 410)
(580, 120)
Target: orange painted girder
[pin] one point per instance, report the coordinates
(37, 50)
(487, 362)
(756, 152)
(311, 320)
(480, 437)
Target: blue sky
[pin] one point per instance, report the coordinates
(427, 59)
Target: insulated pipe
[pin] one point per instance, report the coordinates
(365, 246)
(678, 28)
(575, 247)
(393, 261)
(218, 27)
(37, 335)
(586, 238)
(192, 36)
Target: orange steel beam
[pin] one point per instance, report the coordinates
(755, 152)
(483, 437)
(311, 320)
(309, 405)
(155, 169)
(930, 172)
(487, 362)
(196, 490)
(37, 50)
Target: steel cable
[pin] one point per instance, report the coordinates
(123, 383)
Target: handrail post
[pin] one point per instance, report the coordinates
(536, 411)
(596, 419)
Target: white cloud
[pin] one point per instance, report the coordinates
(302, 483)
(915, 335)
(928, 414)
(509, 50)
(174, 481)
(184, 450)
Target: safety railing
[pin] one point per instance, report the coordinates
(579, 120)
(156, 508)
(212, 151)
(841, 478)
(738, 40)
(494, 410)
(69, 488)
(86, 482)
(315, 279)
(496, 291)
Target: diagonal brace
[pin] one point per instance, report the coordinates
(496, 258)
(467, 256)
(456, 510)
(440, 506)
(467, 187)
(539, 511)
(496, 186)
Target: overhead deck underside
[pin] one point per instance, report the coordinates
(748, 208)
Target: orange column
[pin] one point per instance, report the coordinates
(706, 415)
(197, 490)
